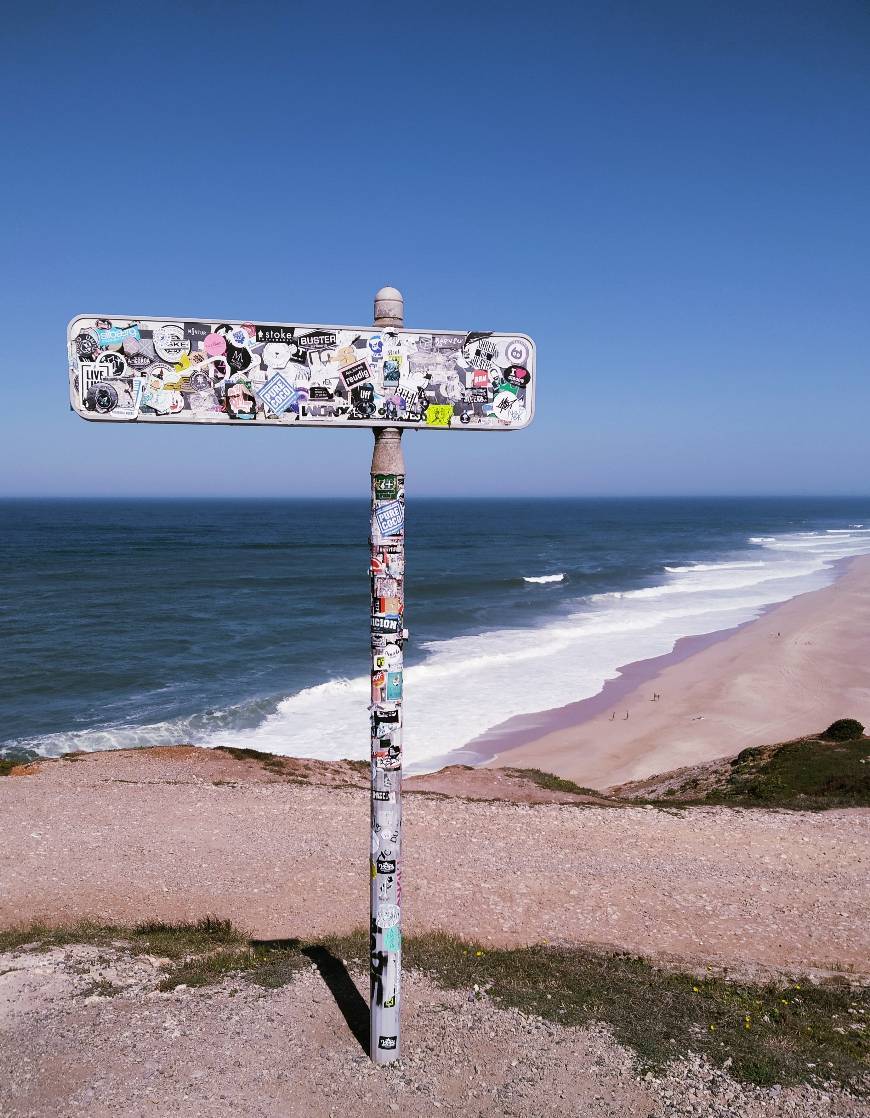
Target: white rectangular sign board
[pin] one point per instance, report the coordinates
(294, 374)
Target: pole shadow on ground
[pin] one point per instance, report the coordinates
(337, 979)
(348, 999)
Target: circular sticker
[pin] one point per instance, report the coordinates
(518, 376)
(517, 351)
(502, 403)
(170, 343)
(215, 345)
(508, 409)
(101, 397)
(86, 345)
(388, 915)
(200, 381)
(113, 363)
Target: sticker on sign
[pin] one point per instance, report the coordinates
(178, 370)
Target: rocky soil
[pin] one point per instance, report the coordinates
(173, 834)
(281, 849)
(237, 1051)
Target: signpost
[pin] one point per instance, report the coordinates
(180, 370)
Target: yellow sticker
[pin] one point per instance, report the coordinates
(439, 415)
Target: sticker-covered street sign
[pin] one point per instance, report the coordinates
(145, 370)
(278, 374)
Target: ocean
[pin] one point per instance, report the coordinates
(245, 622)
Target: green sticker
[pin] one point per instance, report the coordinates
(386, 486)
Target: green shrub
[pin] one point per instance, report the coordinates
(844, 729)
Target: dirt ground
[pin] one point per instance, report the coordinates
(174, 834)
(241, 1052)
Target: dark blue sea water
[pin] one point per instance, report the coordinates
(246, 621)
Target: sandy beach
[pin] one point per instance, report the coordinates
(792, 671)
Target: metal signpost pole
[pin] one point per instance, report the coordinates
(387, 637)
(219, 373)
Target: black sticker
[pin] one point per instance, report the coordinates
(324, 410)
(387, 1041)
(196, 332)
(381, 623)
(517, 376)
(140, 359)
(275, 333)
(86, 345)
(386, 865)
(318, 339)
(354, 375)
(112, 364)
(318, 392)
(101, 397)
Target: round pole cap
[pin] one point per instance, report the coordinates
(389, 307)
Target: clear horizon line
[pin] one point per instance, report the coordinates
(724, 496)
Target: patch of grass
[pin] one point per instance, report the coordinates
(362, 767)
(173, 941)
(206, 970)
(271, 763)
(103, 988)
(45, 936)
(809, 774)
(552, 782)
(765, 1033)
(176, 941)
(13, 756)
(771, 1033)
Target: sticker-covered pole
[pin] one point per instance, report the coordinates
(387, 640)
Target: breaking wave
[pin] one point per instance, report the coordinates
(468, 684)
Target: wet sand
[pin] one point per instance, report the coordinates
(792, 671)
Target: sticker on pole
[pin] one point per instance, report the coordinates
(283, 375)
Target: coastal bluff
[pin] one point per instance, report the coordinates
(277, 846)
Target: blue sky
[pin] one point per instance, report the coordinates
(670, 197)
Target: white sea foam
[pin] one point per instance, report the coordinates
(544, 578)
(692, 567)
(469, 684)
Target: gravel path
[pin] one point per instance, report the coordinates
(240, 1052)
(175, 834)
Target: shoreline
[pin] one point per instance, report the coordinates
(701, 669)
